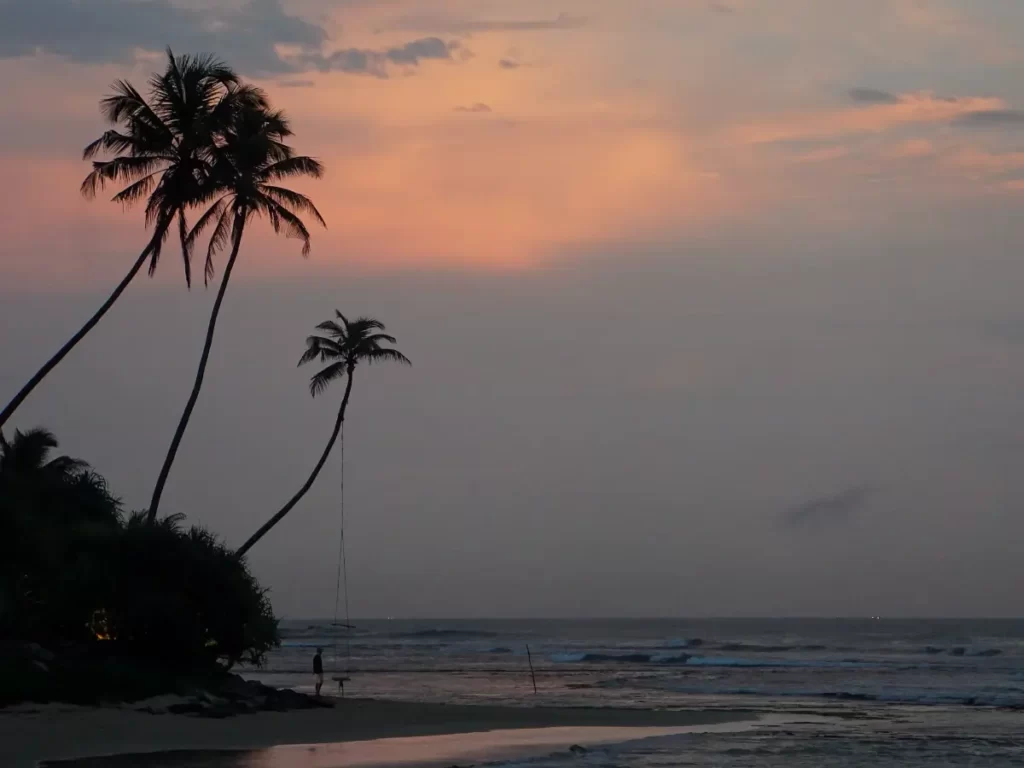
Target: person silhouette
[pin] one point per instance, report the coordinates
(318, 670)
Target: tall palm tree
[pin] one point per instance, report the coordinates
(162, 149)
(250, 158)
(346, 345)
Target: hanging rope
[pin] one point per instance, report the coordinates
(342, 574)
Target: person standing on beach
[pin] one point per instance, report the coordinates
(318, 670)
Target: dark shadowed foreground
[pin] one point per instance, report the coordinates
(46, 734)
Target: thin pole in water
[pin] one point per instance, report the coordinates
(533, 677)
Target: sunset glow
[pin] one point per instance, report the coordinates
(483, 136)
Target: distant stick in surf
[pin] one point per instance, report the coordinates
(533, 677)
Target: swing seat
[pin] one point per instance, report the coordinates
(341, 680)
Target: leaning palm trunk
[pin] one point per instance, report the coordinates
(309, 482)
(91, 323)
(179, 433)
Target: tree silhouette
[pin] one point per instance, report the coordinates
(162, 149)
(345, 346)
(249, 160)
(49, 505)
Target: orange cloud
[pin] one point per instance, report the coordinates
(913, 148)
(507, 194)
(823, 155)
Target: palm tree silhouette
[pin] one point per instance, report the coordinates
(44, 489)
(162, 150)
(249, 159)
(346, 345)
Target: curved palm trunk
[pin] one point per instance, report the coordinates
(165, 470)
(52, 363)
(309, 482)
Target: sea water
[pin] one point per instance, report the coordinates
(839, 692)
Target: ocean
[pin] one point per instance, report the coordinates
(842, 692)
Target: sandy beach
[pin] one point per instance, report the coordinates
(28, 736)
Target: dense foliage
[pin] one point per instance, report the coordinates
(76, 575)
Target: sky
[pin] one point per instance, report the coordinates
(713, 305)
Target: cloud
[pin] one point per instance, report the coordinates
(509, 64)
(247, 37)
(478, 107)
(913, 148)
(442, 23)
(872, 96)
(824, 510)
(115, 30)
(992, 117)
(367, 61)
(912, 108)
(823, 155)
(296, 83)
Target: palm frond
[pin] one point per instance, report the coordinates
(294, 166)
(162, 203)
(277, 124)
(238, 97)
(219, 240)
(362, 325)
(385, 355)
(135, 192)
(164, 219)
(318, 347)
(377, 338)
(31, 447)
(66, 465)
(309, 355)
(115, 142)
(293, 200)
(321, 380)
(120, 169)
(333, 327)
(281, 219)
(127, 104)
(217, 212)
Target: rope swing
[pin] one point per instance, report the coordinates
(341, 586)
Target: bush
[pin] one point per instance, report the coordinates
(182, 596)
(78, 578)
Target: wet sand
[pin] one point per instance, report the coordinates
(53, 733)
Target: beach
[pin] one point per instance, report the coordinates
(46, 733)
(635, 693)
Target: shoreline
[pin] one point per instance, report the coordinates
(53, 733)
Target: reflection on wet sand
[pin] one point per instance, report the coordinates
(487, 746)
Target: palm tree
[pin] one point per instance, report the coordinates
(50, 508)
(52, 489)
(346, 345)
(27, 459)
(249, 159)
(162, 149)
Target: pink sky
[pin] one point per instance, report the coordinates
(548, 130)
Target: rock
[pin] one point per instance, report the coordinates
(576, 749)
